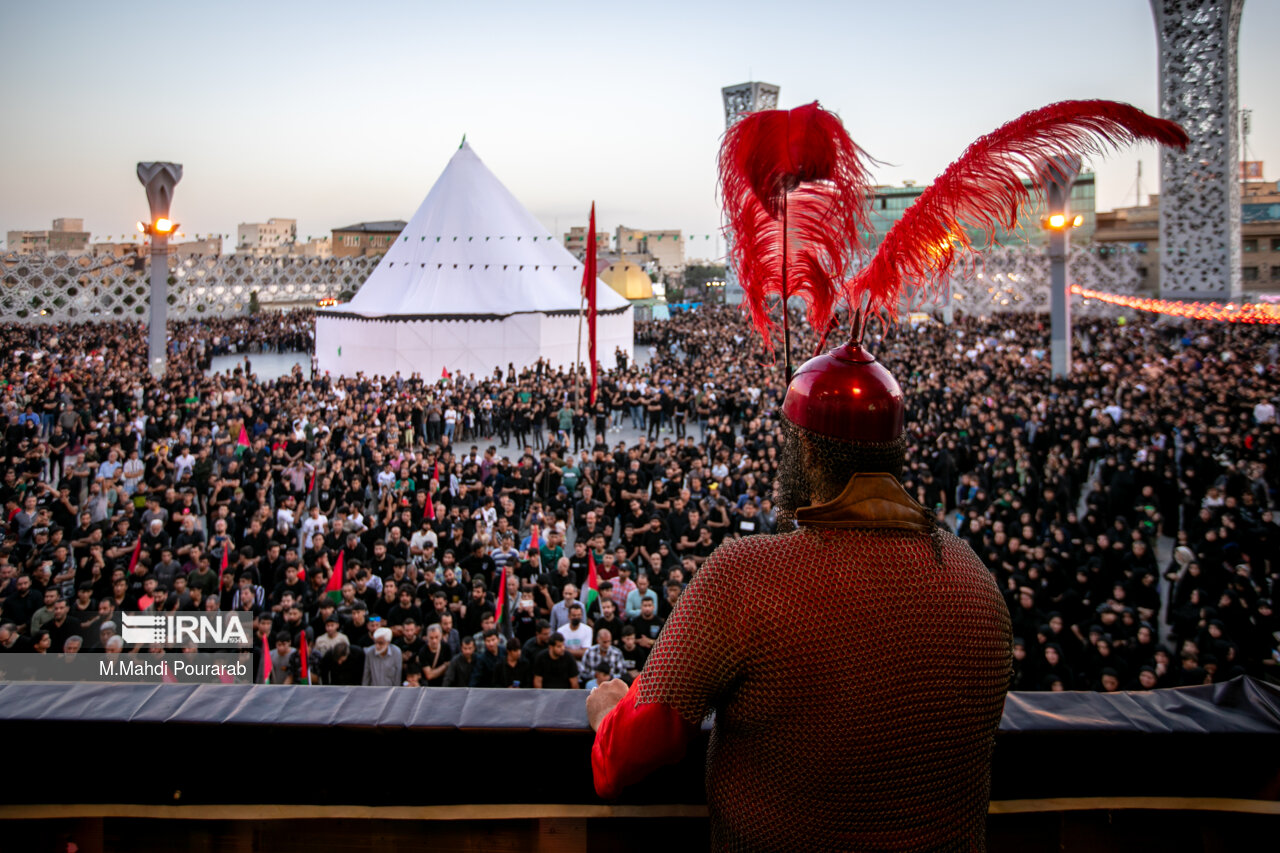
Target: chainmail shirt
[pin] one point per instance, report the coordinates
(858, 713)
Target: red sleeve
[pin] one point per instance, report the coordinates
(634, 740)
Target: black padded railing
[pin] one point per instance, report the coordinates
(204, 745)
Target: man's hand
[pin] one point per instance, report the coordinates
(602, 699)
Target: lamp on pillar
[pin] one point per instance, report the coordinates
(1061, 175)
(159, 180)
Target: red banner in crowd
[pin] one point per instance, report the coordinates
(589, 288)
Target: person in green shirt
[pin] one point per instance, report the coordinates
(570, 475)
(551, 551)
(566, 423)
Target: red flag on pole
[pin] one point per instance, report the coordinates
(589, 288)
(222, 566)
(501, 602)
(137, 552)
(243, 440)
(592, 586)
(302, 657)
(444, 373)
(266, 658)
(333, 588)
(533, 538)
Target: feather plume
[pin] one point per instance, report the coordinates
(803, 161)
(984, 190)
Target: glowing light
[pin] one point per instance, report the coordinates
(142, 229)
(163, 226)
(1078, 221)
(1252, 312)
(1057, 220)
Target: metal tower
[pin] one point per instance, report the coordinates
(1200, 187)
(739, 100)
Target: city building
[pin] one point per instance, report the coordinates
(1139, 228)
(211, 245)
(67, 236)
(318, 247)
(266, 238)
(576, 241)
(664, 248)
(366, 238)
(889, 203)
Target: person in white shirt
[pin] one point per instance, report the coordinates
(386, 479)
(133, 471)
(284, 517)
(1264, 413)
(450, 421)
(422, 538)
(313, 524)
(577, 634)
(185, 463)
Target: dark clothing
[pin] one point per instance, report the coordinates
(486, 665)
(555, 672)
(349, 672)
(518, 675)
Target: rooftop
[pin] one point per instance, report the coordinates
(382, 225)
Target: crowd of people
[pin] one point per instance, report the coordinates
(502, 531)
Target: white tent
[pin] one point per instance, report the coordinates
(473, 282)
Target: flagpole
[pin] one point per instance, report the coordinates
(577, 367)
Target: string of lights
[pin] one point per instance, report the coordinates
(1222, 312)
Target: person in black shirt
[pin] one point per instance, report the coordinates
(342, 664)
(647, 625)
(472, 612)
(410, 641)
(554, 668)
(514, 671)
(538, 643)
(404, 612)
(633, 654)
(434, 658)
(359, 630)
(291, 583)
(666, 605)
(578, 560)
(608, 618)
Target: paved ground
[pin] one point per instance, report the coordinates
(268, 365)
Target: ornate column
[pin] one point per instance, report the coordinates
(1062, 175)
(1200, 187)
(159, 179)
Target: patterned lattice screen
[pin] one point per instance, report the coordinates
(1017, 279)
(62, 288)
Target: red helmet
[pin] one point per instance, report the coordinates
(847, 395)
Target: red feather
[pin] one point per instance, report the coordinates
(984, 189)
(805, 158)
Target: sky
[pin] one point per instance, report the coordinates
(335, 113)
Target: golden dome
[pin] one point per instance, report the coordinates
(628, 279)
